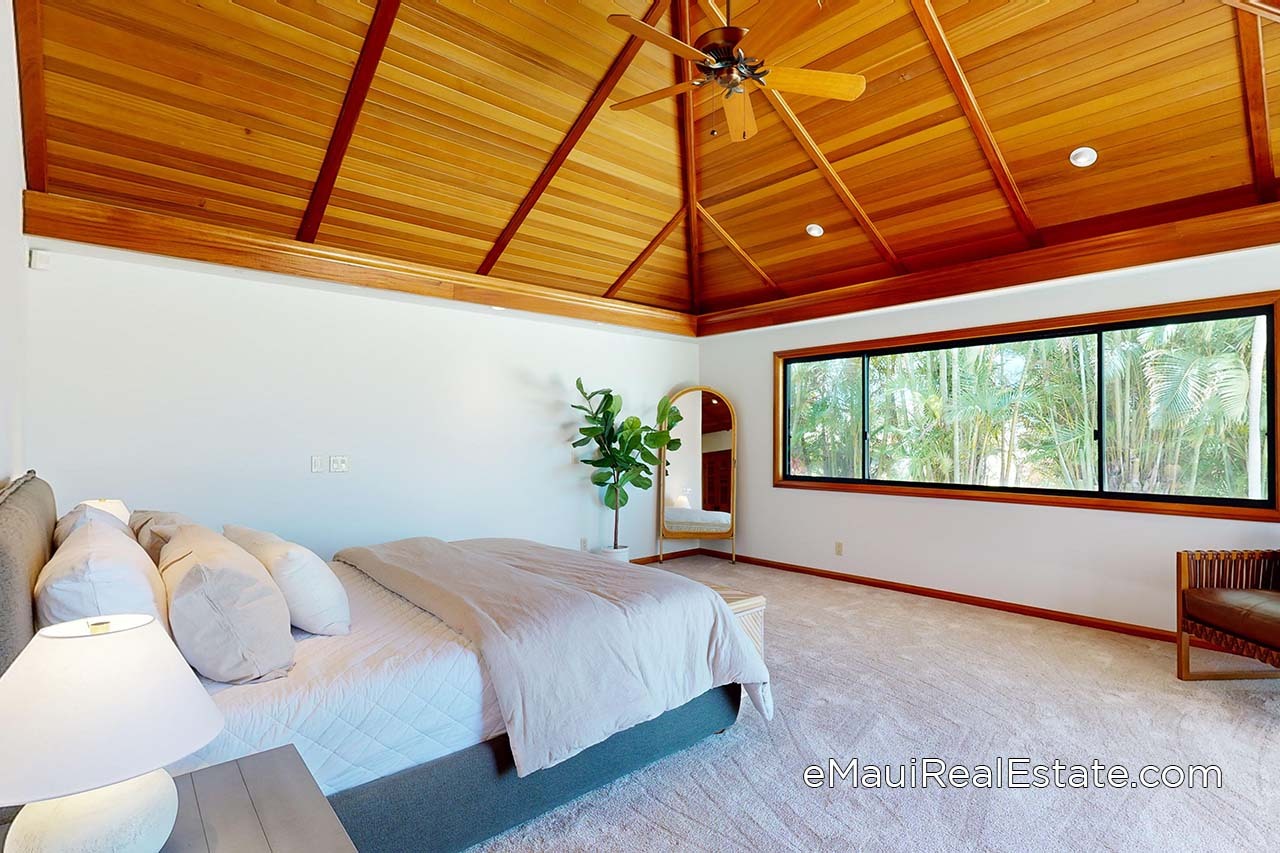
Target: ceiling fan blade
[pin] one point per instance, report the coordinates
(641, 30)
(740, 117)
(657, 95)
(820, 84)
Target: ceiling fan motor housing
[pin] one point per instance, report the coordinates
(726, 64)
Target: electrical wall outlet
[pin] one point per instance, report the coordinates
(317, 464)
(839, 549)
(339, 465)
(582, 543)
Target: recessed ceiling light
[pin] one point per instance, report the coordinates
(1083, 157)
(813, 229)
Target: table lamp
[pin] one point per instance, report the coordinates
(90, 713)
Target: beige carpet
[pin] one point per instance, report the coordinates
(886, 677)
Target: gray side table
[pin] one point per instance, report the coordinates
(263, 803)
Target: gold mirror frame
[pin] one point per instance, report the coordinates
(732, 533)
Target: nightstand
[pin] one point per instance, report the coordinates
(263, 803)
(749, 608)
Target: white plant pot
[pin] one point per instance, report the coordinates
(622, 555)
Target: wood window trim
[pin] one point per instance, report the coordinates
(1268, 299)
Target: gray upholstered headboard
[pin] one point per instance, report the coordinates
(27, 517)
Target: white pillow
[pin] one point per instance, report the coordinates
(228, 617)
(115, 507)
(144, 522)
(316, 598)
(99, 571)
(82, 514)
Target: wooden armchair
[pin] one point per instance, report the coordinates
(1229, 599)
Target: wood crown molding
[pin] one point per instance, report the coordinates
(1248, 227)
(969, 104)
(28, 22)
(820, 161)
(579, 127)
(375, 41)
(1254, 75)
(101, 224)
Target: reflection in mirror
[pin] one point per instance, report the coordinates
(697, 491)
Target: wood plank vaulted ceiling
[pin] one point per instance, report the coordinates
(464, 148)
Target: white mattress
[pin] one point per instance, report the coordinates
(401, 689)
(682, 520)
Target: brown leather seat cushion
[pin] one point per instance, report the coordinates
(1253, 614)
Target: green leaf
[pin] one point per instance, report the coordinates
(615, 497)
(657, 438)
(591, 432)
(582, 442)
(673, 445)
(615, 405)
(602, 478)
(642, 482)
(648, 456)
(581, 390)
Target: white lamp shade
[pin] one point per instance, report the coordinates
(682, 502)
(83, 707)
(115, 507)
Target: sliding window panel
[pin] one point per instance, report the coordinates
(824, 418)
(1186, 409)
(1015, 414)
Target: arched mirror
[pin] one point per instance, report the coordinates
(697, 490)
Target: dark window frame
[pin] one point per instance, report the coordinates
(1097, 325)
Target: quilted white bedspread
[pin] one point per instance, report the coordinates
(402, 688)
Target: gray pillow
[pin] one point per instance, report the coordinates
(144, 522)
(228, 617)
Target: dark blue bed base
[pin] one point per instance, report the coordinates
(462, 799)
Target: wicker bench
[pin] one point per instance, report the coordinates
(1231, 600)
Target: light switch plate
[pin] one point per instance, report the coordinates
(317, 464)
(339, 465)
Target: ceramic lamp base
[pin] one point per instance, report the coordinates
(134, 816)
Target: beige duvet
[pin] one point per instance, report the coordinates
(578, 647)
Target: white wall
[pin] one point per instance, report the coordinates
(1114, 565)
(206, 390)
(12, 255)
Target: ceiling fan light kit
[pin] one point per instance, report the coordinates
(718, 56)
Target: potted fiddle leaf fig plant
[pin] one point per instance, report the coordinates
(626, 450)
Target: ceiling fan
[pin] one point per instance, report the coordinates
(717, 56)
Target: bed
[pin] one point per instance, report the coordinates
(397, 720)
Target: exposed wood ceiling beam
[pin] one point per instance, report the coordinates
(814, 152)
(64, 218)
(736, 248)
(593, 106)
(1253, 69)
(969, 104)
(29, 27)
(646, 253)
(375, 41)
(1243, 228)
(688, 161)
